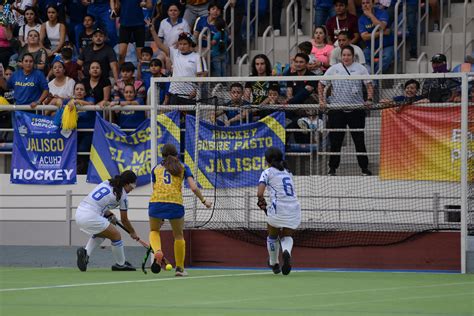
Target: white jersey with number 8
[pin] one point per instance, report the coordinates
(284, 209)
(102, 199)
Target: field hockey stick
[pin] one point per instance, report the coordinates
(142, 242)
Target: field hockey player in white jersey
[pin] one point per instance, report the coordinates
(93, 216)
(284, 212)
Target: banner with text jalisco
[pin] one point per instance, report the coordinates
(234, 156)
(423, 143)
(43, 153)
(114, 151)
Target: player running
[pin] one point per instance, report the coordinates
(93, 216)
(166, 202)
(284, 212)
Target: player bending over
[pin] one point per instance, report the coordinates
(93, 216)
(166, 202)
(283, 214)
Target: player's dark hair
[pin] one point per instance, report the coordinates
(170, 160)
(412, 81)
(274, 158)
(119, 181)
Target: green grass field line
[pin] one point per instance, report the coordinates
(66, 291)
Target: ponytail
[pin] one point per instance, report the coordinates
(279, 164)
(171, 161)
(274, 158)
(119, 181)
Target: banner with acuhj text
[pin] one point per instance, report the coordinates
(234, 156)
(424, 143)
(114, 151)
(43, 153)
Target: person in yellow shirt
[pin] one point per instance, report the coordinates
(166, 202)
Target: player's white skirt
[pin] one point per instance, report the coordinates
(90, 222)
(288, 216)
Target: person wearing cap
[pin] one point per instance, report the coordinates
(100, 52)
(186, 63)
(440, 89)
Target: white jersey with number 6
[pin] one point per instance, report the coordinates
(284, 209)
(102, 199)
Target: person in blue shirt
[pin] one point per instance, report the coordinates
(129, 119)
(324, 9)
(409, 97)
(219, 45)
(132, 24)
(367, 22)
(29, 85)
(209, 21)
(102, 12)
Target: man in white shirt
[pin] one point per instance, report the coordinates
(344, 39)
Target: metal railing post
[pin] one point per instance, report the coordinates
(448, 51)
(231, 27)
(422, 56)
(205, 53)
(264, 39)
(291, 26)
(374, 51)
(400, 46)
(466, 22)
(245, 57)
(421, 18)
(69, 216)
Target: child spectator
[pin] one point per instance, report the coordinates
(143, 71)
(84, 38)
(240, 114)
(305, 48)
(8, 93)
(156, 72)
(126, 72)
(129, 119)
(219, 44)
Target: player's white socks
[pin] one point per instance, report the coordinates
(117, 251)
(93, 243)
(273, 247)
(286, 244)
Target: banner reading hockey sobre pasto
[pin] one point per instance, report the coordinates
(234, 156)
(423, 143)
(114, 151)
(43, 153)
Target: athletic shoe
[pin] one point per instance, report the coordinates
(300, 32)
(82, 259)
(275, 268)
(332, 172)
(179, 272)
(156, 265)
(366, 172)
(125, 267)
(286, 268)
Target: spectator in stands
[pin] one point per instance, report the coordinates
(129, 119)
(71, 66)
(84, 38)
(143, 69)
(61, 88)
(126, 77)
(240, 114)
(32, 22)
(8, 94)
(75, 12)
(440, 89)
(6, 49)
(219, 44)
(321, 49)
(101, 11)
(256, 92)
(195, 9)
(342, 21)
(412, 28)
(209, 21)
(299, 92)
(367, 22)
(343, 93)
(97, 86)
(276, 13)
(132, 25)
(18, 9)
(29, 85)
(409, 97)
(100, 52)
(34, 48)
(239, 12)
(156, 72)
(313, 64)
(344, 40)
(323, 10)
(186, 63)
(53, 32)
(434, 5)
(467, 66)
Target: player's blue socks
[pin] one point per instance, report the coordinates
(273, 247)
(117, 251)
(93, 243)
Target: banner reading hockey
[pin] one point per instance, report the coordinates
(423, 143)
(43, 153)
(114, 151)
(234, 156)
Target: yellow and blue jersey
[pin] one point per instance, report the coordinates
(166, 200)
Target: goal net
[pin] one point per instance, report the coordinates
(376, 160)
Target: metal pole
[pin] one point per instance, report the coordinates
(196, 153)
(153, 126)
(464, 169)
(68, 216)
(436, 210)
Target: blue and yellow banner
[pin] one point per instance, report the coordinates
(43, 153)
(234, 156)
(114, 151)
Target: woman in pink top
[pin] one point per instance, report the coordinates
(5, 48)
(321, 49)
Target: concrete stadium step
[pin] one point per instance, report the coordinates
(457, 10)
